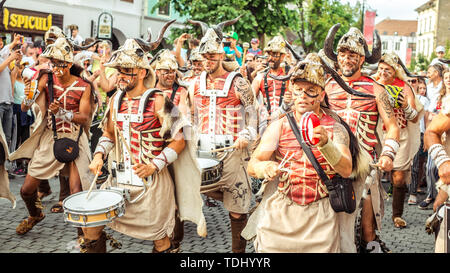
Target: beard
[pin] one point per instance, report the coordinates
(348, 69)
(274, 65)
(127, 85)
(348, 72)
(211, 70)
(167, 83)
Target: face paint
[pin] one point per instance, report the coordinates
(306, 96)
(348, 62)
(127, 79)
(386, 72)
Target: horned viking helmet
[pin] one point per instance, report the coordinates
(354, 41)
(211, 41)
(277, 44)
(310, 70)
(165, 60)
(61, 50)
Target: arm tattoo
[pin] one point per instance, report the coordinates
(340, 135)
(246, 94)
(384, 100)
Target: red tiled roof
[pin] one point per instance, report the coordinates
(402, 27)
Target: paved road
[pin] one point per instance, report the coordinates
(53, 235)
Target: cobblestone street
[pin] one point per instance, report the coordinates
(53, 235)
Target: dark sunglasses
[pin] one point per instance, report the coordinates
(58, 64)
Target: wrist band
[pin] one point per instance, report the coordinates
(104, 146)
(64, 114)
(248, 133)
(438, 154)
(331, 153)
(29, 102)
(390, 148)
(410, 113)
(167, 156)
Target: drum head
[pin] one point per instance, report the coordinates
(206, 163)
(98, 200)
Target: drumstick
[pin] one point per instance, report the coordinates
(92, 184)
(126, 145)
(222, 149)
(280, 167)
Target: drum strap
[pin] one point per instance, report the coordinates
(50, 91)
(323, 176)
(174, 91)
(266, 91)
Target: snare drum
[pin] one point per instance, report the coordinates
(211, 174)
(100, 209)
(308, 122)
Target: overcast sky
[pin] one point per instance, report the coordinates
(394, 9)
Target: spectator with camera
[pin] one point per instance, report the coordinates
(231, 47)
(8, 55)
(22, 120)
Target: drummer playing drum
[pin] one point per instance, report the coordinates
(221, 101)
(135, 122)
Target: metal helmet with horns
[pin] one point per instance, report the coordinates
(211, 41)
(354, 41)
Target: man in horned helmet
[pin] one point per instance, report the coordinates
(168, 76)
(224, 112)
(196, 66)
(361, 110)
(147, 142)
(301, 201)
(269, 91)
(44, 189)
(67, 115)
(392, 75)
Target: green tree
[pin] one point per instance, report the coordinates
(316, 17)
(421, 63)
(259, 17)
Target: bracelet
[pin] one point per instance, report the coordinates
(64, 114)
(167, 156)
(438, 154)
(248, 133)
(390, 148)
(410, 113)
(104, 146)
(29, 102)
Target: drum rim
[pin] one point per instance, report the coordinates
(93, 212)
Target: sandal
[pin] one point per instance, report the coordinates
(57, 208)
(399, 222)
(27, 224)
